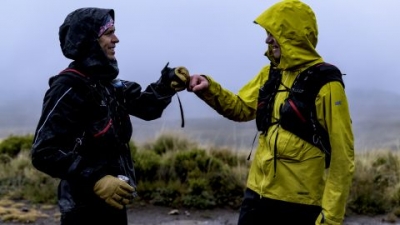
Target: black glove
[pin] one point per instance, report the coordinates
(176, 78)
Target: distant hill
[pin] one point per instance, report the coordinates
(216, 130)
(376, 118)
(375, 115)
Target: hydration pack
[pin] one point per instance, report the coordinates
(107, 120)
(298, 112)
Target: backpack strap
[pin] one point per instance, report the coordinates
(72, 71)
(298, 113)
(75, 79)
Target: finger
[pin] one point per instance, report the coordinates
(117, 197)
(112, 202)
(123, 194)
(125, 201)
(182, 72)
(199, 87)
(193, 86)
(121, 199)
(189, 88)
(125, 186)
(193, 81)
(176, 86)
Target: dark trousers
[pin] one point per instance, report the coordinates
(265, 211)
(96, 214)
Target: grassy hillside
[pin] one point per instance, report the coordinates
(176, 172)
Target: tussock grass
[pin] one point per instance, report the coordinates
(173, 171)
(376, 184)
(19, 180)
(19, 212)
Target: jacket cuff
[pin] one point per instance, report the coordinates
(161, 91)
(90, 175)
(324, 220)
(210, 92)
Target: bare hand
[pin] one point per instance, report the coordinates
(198, 83)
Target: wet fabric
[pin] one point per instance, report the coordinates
(84, 130)
(300, 175)
(257, 210)
(79, 41)
(92, 215)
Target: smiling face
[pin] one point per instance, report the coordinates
(273, 46)
(108, 41)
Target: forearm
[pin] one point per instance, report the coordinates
(340, 175)
(150, 103)
(226, 103)
(338, 124)
(61, 160)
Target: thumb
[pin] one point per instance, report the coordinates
(182, 73)
(200, 86)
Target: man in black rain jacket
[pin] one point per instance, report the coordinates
(83, 134)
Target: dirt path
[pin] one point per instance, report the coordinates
(155, 215)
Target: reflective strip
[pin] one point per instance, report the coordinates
(51, 111)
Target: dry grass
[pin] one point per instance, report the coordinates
(376, 184)
(177, 164)
(11, 211)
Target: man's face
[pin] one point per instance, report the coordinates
(273, 45)
(108, 42)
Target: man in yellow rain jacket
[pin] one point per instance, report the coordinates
(297, 176)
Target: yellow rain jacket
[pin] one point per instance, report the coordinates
(300, 175)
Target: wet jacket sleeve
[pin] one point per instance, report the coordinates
(239, 107)
(149, 104)
(333, 113)
(57, 134)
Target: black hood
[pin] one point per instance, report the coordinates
(79, 41)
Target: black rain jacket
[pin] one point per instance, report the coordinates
(84, 130)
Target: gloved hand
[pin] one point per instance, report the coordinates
(114, 191)
(176, 78)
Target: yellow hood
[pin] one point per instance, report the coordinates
(294, 26)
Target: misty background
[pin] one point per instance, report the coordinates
(217, 38)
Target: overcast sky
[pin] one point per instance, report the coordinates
(214, 37)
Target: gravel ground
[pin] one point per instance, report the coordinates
(155, 215)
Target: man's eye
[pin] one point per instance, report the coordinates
(109, 32)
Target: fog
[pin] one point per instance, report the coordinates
(216, 38)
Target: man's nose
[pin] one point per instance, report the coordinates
(115, 39)
(269, 39)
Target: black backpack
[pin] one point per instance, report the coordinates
(298, 112)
